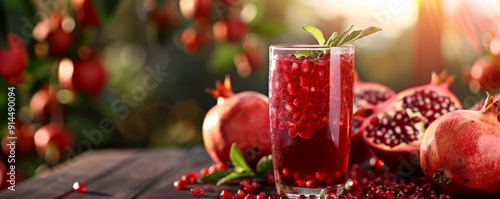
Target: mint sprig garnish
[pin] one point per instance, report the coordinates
(241, 169)
(335, 39)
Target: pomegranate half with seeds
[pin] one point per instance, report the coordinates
(394, 130)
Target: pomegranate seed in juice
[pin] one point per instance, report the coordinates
(312, 98)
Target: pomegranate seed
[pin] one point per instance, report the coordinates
(79, 187)
(301, 197)
(312, 183)
(261, 195)
(272, 197)
(286, 173)
(198, 191)
(312, 197)
(204, 171)
(226, 194)
(270, 179)
(320, 175)
(300, 182)
(250, 196)
(180, 184)
(241, 193)
(236, 196)
(444, 196)
(331, 196)
(190, 178)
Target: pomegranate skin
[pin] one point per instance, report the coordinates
(241, 118)
(460, 152)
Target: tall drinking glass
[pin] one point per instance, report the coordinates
(310, 101)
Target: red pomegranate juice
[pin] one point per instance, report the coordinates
(310, 103)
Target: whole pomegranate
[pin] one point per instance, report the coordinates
(86, 13)
(52, 142)
(24, 143)
(241, 118)
(57, 31)
(394, 130)
(231, 28)
(41, 103)
(365, 94)
(164, 16)
(484, 75)
(87, 74)
(195, 9)
(460, 152)
(193, 40)
(14, 60)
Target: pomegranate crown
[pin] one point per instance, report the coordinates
(221, 89)
(490, 105)
(442, 78)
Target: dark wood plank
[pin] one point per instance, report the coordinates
(131, 178)
(164, 188)
(58, 181)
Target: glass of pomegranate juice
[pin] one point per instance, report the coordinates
(310, 101)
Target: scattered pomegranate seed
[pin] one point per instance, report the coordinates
(198, 191)
(79, 187)
(180, 184)
(261, 195)
(312, 197)
(250, 196)
(302, 197)
(241, 193)
(190, 178)
(225, 194)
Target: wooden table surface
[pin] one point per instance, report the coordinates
(131, 173)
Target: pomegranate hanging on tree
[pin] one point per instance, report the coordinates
(14, 60)
(241, 118)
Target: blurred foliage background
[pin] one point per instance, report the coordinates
(116, 74)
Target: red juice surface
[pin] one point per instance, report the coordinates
(310, 108)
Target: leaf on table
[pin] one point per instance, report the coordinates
(238, 159)
(215, 176)
(3, 26)
(105, 9)
(264, 166)
(235, 176)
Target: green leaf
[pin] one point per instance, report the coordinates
(235, 176)
(332, 37)
(322, 194)
(105, 9)
(338, 39)
(264, 166)
(305, 53)
(358, 34)
(3, 27)
(237, 159)
(215, 176)
(315, 32)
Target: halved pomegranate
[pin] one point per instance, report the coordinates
(394, 130)
(365, 94)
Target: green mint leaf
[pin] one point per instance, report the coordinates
(215, 176)
(338, 39)
(332, 37)
(358, 34)
(264, 166)
(235, 176)
(238, 160)
(322, 194)
(306, 53)
(315, 32)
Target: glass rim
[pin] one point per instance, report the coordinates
(306, 46)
